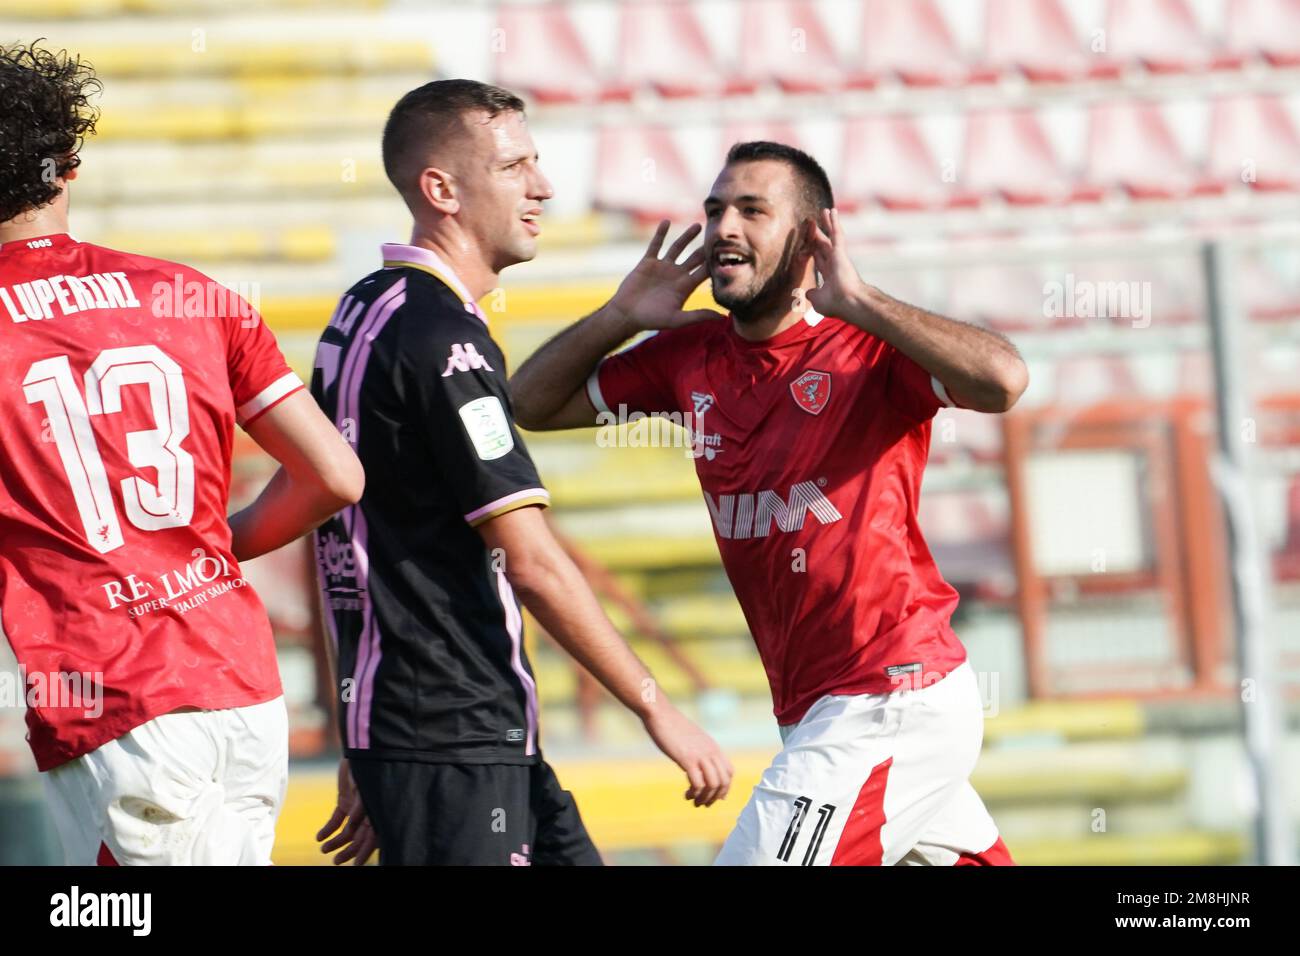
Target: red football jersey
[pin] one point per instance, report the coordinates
(809, 449)
(121, 380)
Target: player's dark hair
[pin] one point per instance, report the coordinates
(815, 187)
(45, 114)
(432, 112)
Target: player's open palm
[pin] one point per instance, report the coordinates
(707, 768)
(840, 282)
(652, 294)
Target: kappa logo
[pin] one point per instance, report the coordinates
(811, 391)
(465, 357)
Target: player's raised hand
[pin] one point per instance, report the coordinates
(841, 286)
(707, 768)
(651, 296)
(356, 841)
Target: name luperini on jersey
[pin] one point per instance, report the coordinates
(35, 299)
(39, 299)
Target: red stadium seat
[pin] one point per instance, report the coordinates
(1253, 140)
(641, 170)
(1266, 294)
(1008, 298)
(770, 131)
(887, 161)
(909, 39)
(1035, 37)
(537, 49)
(1163, 35)
(968, 531)
(1130, 147)
(1141, 292)
(1080, 380)
(1007, 153)
(662, 45)
(1267, 28)
(785, 42)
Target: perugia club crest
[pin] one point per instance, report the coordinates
(811, 391)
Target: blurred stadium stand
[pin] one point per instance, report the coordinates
(992, 154)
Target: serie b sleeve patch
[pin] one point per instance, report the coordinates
(488, 428)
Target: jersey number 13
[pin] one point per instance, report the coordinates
(149, 507)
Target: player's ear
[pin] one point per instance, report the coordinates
(438, 188)
(807, 237)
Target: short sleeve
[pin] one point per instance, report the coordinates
(639, 377)
(913, 391)
(460, 385)
(260, 378)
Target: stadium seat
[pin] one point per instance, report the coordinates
(1035, 37)
(909, 39)
(662, 45)
(304, 56)
(538, 50)
(785, 42)
(1162, 35)
(975, 437)
(772, 132)
(887, 161)
(1088, 379)
(1142, 291)
(1008, 298)
(641, 170)
(1130, 147)
(1266, 28)
(1267, 295)
(1253, 140)
(1007, 153)
(968, 531)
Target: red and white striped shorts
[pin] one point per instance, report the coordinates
(874, 779)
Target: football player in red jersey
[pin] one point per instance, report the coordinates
(811, 406)
(120, 583)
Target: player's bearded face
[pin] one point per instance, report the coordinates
(503, 190)
(751, 237)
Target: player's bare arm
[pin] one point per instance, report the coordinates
(318, 475)
(980, 369)
(550, 585)
(548, 389)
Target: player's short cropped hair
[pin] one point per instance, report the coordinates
(431, 113)
(815, 187)
(45, 114)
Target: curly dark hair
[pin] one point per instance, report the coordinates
(45, 114)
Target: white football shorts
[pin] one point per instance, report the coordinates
(190, 788)
(874, 779)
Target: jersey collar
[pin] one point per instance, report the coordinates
(398, 255)
(797, 331)
(52, 241)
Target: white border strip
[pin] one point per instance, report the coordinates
(593, 390)
(941, 392)
(268, 396)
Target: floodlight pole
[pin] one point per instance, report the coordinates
(1262, 709)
